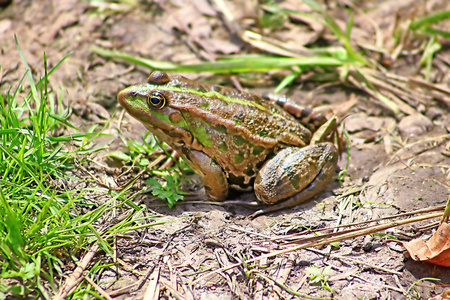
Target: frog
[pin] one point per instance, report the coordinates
(236, 139)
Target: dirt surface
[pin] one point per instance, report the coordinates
(397, 164)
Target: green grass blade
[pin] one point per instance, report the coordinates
(229, 65)
(151, 64)
(432, 31)
(30, 75)
(429, 19)
(13, 225)
(21, 164)
(287, 81)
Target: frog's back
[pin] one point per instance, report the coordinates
(252, 117)
(238, 129)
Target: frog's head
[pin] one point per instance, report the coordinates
(150, 103)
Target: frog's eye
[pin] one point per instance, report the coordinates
(156, 100)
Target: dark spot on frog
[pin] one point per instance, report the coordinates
(221, 128)
(238, 158)
(295, 181)
(239, 117)
(201, 88)
(238, 140)
(217, 88)
(223, 147)
(256, 99)
(257, 150)
(203, 103)
(262, 133)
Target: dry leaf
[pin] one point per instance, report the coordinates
(444, 296)
(436, 250)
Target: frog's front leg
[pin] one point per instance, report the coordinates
(295, 175)
(214, 179)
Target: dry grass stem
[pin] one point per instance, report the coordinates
(321, 242)
(152, 291)
(318, 231)
(77, 275)
(355, 261)
(285, 288)
(98, 288)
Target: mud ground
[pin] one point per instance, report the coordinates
(397, 163)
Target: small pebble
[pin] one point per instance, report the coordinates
(414, 125)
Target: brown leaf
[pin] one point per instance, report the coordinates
(444, 296)
(436, 250)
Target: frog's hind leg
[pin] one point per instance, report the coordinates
(315, 168)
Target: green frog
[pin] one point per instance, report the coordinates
(236, 139)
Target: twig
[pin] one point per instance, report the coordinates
(355, 261)
(172, 290)
(123, 290)
(249, 232)
(98, 288)
(227, 18)
(419, 211)
(129, 268)
(357, 233)
(152, 291)
(436, 139)
(121, 187)
(76, 277)
(151, 269)
(287, 289)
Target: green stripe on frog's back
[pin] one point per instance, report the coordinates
(264, 126)
(209, 94)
